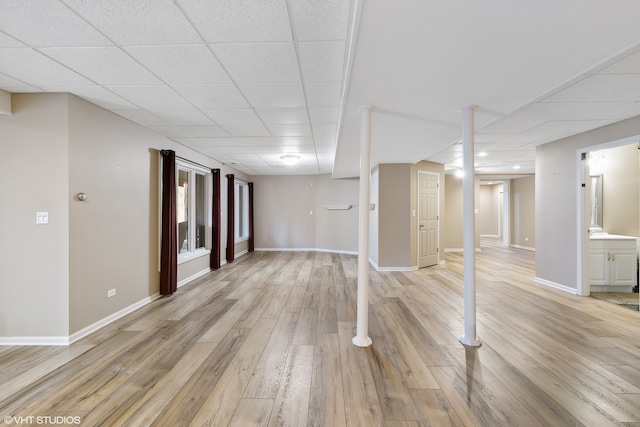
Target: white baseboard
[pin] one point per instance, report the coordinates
(194, 277)
(555, 285)
(111, 318)
(526, 248)
(306, 250)
(34, 341)
(459, 250)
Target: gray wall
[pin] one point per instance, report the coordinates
(55, 146)
(34, 259)
(556, 183)
(290, 214)
(523, 208)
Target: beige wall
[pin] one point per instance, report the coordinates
(523, 212)
(620, 190)
(109, 241)
(34, 266)
(289, 213)
(394, 215)
(452, 223)
(488, 209)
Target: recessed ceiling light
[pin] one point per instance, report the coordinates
(482, 154)
(459, 173)
(290, 159)
(516, 167)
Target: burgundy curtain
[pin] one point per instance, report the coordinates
(251, 245)
(169, 248)
(214, 260)
(230, 218)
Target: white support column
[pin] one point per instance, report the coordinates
(469, 229)
(362, 315)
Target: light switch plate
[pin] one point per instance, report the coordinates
(42, 217)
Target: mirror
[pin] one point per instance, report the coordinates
(596, 203)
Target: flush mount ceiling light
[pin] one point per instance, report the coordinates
(290, 159)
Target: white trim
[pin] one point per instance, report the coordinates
(459, 249)
(193, 277)
(437, 175)
(34, 340)
(306, 250)
(111, 318)
(526, 248)
(190, 256)
(413, 268)
(554, 285)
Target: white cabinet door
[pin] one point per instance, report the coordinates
(599, 266)
(623, 268)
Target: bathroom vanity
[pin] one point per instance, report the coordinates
(613, 262)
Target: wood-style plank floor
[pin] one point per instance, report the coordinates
(266, 341)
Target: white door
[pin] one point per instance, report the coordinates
(427, 219)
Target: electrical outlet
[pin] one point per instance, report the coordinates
(111, 293)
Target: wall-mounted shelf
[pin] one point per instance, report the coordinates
(337, 207)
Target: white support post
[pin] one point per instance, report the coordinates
(469, 229)
(362, 315)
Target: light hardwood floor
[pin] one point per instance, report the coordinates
(267, 341)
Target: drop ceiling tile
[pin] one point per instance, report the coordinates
(233, 149)
(295, 140)
(274, 95)
(229, 21)
(264, 140)
(6, 82)
(103, 65)
(323, 129)
(324, 114)
(596, 88)
(194, 143)
(183, 116)
(233, 116)
(183, 64)
(323, 94)
(266, 149)
(203, 131)
(168, 131)
(246, 130)
(290, 130)
(213, 96)
(219, 142)
(627, 65)
(583, 110)
(156, 97)
(283, 116)
(141, 117)
(247, 158)
(7, 41)
(39, 22)
(325, 149)
(259, 62)
(297, 149)
(140, 22)
(320, 20)
(35, 69)
(96, 95)
(325, 140)
(322, 61)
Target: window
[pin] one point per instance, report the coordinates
(191, 207)
(241, 209)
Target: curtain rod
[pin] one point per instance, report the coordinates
(195, 163)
